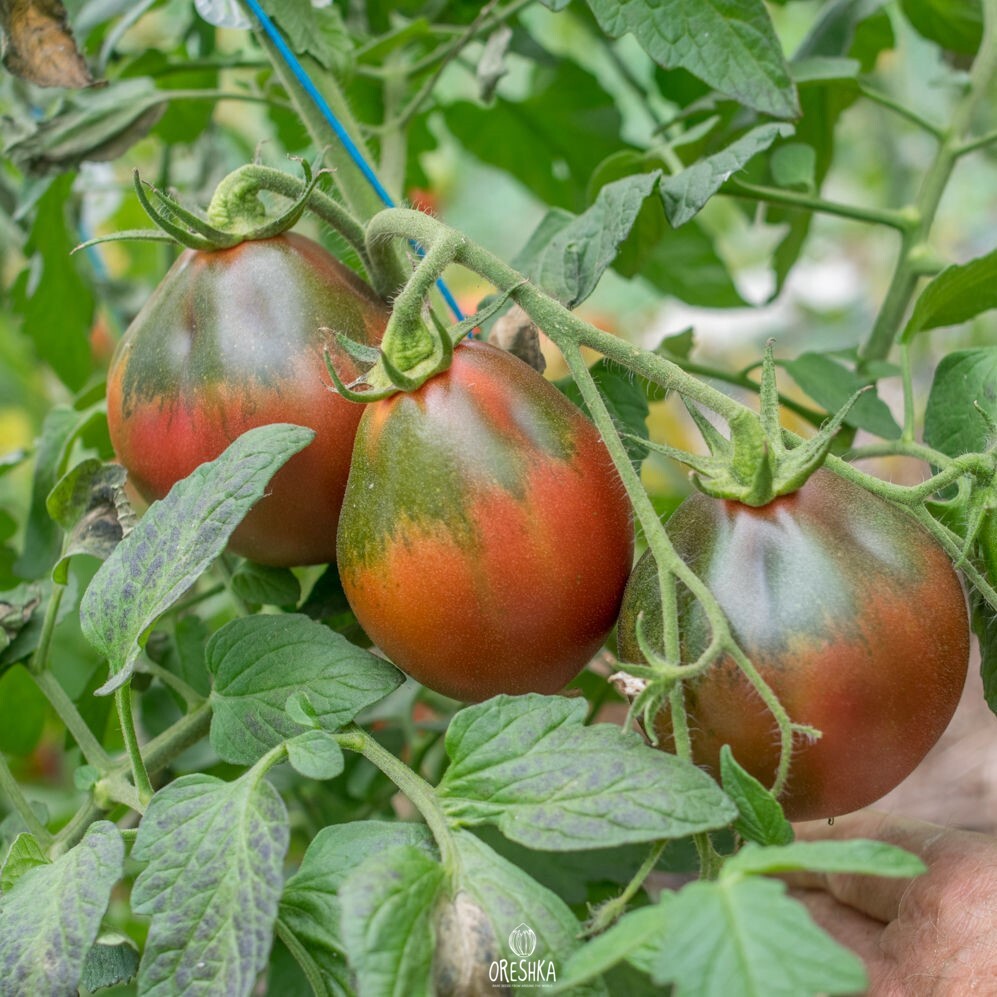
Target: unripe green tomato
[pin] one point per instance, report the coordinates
(850, 611)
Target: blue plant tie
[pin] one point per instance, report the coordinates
(342, 134)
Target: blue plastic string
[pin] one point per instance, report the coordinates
(342, 134)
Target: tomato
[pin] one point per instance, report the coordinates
(233, 339)
(485, 538)
(851, 612)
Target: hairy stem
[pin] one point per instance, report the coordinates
(15, 797)
(411, 784)
(123, 702)
(93, 751)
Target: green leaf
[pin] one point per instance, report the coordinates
(956, 25)
(318, 31)
(23, 709)
(685, 193)
(831, 384)
(505, 898)
(794, 165)
(50, 281)
(681, 262)
(95, 124)
(506, 133)
(746, 938)
(113, 960)
(262, 585)
(625, 399)
(635, 929)
(729, 44)
(529, 765)
(258, 662)
(90, 504)
(959, 293)
(858, 856)
(212, 880)
(176, 541)
(50, 917)
(25, 853)
(310, 906)
(568, 255)
(315, 755)
(963, 380)
(761, 818)
(42, 539)
(389, 905)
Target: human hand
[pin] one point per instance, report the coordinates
(931, 936)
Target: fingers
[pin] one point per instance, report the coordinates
(851, 928)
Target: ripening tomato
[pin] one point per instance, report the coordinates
(850, 611)
(485, 538)
(232, 339)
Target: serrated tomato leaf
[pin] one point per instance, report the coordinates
(567, 255)
(529, 765)
(729, 44)
(685, 193)
(176, 541)
(388, 910)
(259, 662)
(213, 853)
(761, 818)
(831, 384)
(965, 383)
(957, 294)
(310, 909)
(858, 856)
(745, 938)
(50, 917)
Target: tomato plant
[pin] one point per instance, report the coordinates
(235, 338)
(847, 608)
(459, 492)
(241, 792)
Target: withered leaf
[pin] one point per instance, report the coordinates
(38, 44)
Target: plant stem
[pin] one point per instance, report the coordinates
(123, 701)
(10, 788)
(981, 142)
(39, 660)
(188, 730)
(303, 958)
(93, 751)
(411, 784)
(906, 272)
(613, 909)
(885, 100)
(187, 692)
(898, 220)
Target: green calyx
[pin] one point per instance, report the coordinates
(234, 215)
(754, 466)
(416, 347)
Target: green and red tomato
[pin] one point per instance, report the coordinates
(485, 538)
(236, 338)
(850, 611)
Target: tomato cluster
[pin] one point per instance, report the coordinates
(852, 614)
(484, 539)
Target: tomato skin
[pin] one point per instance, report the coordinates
(485, 538)
(850, 611)
(233, 339)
